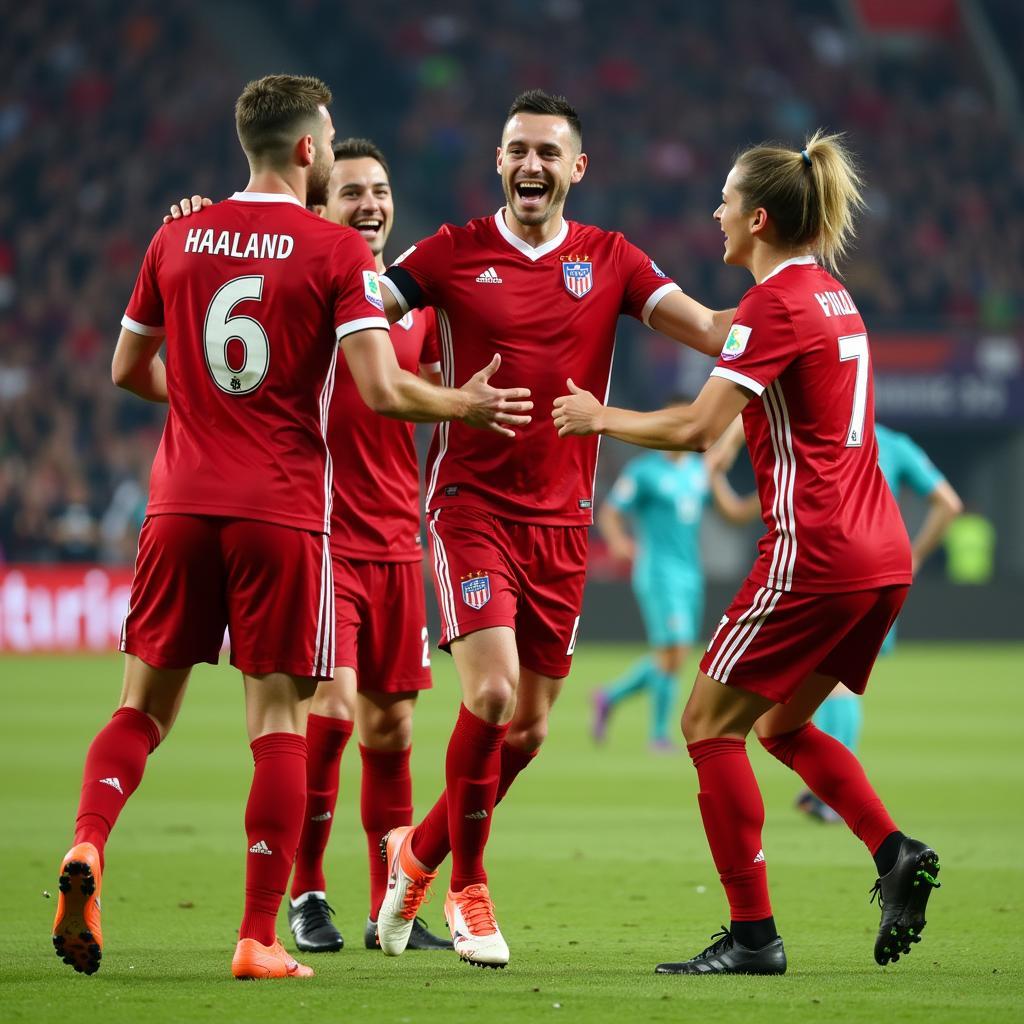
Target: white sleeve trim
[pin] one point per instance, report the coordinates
(134, 325)
(362, 324)
(738, 378)
(431, 367)
(393, 288)
(654, 299)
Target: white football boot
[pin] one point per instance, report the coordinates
(475, 934)
(408, 885)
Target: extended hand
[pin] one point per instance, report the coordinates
(186, 207)
(496, 409)
(578, 413)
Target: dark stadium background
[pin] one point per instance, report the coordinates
(111, 111)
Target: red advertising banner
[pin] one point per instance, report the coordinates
(62, 608)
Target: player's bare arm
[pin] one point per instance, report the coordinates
(612, 524)
(678, 428)
(682, 318)
(391, 391)
(944, 505)
(137, 366)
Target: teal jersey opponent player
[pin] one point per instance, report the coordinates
(652, 517)
(904, 464)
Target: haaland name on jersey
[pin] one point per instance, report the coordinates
(257, 246)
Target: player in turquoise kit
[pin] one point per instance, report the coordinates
(904, 464)
(661, 496)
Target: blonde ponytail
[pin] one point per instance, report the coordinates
(812, 196)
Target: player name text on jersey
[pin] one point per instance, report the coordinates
(836, 303)
(257, 246)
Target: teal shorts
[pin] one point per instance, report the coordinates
(672, 609)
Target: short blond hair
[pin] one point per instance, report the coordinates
(812, 195)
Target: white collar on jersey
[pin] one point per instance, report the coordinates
(265, 197)
(524, 247)
(796, 261)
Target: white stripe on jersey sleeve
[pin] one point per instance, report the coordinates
(393, 288)
(738, 378)
(362, 324)
(134, 325)
(655, 297)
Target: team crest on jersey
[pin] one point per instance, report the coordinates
(577, 274)
(476, 589)
(736, 342)
(371, 289)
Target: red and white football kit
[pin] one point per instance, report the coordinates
(834, 566)
(253, 298)
(375, 529)
(508, 517)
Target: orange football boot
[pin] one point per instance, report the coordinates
(253, 961)
(76, 928)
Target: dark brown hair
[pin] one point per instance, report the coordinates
(274, 112)
(537, 101)
(355, 149)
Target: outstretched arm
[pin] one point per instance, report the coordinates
(692, 427)
(391, 391)
(682, 318)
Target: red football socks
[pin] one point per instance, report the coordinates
(326, 739)
(273, 820)
(472, 770)
(833, 774)
(113, 770)
(385, 803)
(733, 814)
(430, 843)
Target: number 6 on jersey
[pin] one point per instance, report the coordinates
(221, 328)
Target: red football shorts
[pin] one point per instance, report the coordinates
(490, 571)
(382, 624)
(770, 641)
(270, 585)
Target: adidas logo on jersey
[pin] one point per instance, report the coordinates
(489, 276)
(114, 782)
(476, 816)
(759, 859)
(326, 816)
(261, 847)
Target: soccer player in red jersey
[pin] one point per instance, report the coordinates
(508, 524)
(833, 567)
(253, 303)
(382, 657)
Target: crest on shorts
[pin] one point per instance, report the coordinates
(476, 589)
(577, 274)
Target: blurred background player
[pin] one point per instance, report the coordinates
(240, 495)
(508, 523)
(833, 568)
(904, 464)
(652, 518)
(382, 648)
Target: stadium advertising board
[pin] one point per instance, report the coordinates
(67, 608)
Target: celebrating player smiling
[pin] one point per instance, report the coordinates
(834, 565)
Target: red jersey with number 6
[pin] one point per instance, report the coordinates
(799, 344)
(376, 473)
(551, 312)
(253, 295)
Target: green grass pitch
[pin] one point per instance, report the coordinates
(598, 865)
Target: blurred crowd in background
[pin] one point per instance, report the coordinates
(101, 129)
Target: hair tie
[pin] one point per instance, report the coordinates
(807, 159)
